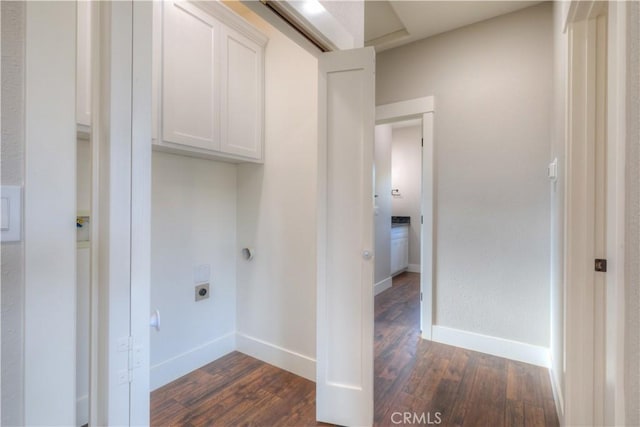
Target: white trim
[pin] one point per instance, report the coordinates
(584, 310)
(413, 268)
(404, 110)
(299, 364)
(177, 366)
(382, 285)
(82, 410)
(557, 391)
(140, 288)
(514, 350)
(614, 404)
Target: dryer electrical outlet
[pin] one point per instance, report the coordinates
(202, 291)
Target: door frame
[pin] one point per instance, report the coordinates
(121, 203)
(594, 301)
(422, 108)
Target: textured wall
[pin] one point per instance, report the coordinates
(276, 291)
(632, 256)
(382, 220)
(406, 173)
(13, 45)
(492, 83)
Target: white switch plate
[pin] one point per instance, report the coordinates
(201, 273)
(552, 170)
(11, 213)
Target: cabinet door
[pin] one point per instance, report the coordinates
(190, 84)
(83, 64)
(404, 253)
(395, 264)
(241, 95)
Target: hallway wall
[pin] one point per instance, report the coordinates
(276, 216)
(406, 173)
(383, 208)
(493, 86)
(12, 157)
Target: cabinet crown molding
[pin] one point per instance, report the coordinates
(221, 12)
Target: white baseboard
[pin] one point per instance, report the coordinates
(557, 394)
(82, 410)
(413, 268)
(501, 347)
(288, 360)
(382, 285)
(172, 369)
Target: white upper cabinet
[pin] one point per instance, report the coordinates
(190, 113)
(83, 64)
(241, 95)
(209, 82)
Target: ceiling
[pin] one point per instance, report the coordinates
(394, 23)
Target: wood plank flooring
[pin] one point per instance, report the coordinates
(416, 382)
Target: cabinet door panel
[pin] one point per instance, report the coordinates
(242, 96)
(404, 262)
(190, 77)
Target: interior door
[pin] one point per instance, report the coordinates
(344, 386)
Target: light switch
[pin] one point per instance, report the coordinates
(552, 170)
(201, 273)
(11, 213)
(5, 214)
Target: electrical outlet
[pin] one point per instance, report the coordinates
(202, 291)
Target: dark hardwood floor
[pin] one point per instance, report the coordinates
(416, 382)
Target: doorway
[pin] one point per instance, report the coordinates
(416, 112)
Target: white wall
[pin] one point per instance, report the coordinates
(558, 146)
(382, 222)
(49, 211)
(193, 223)
(492, 83)
(276, 298)
(406, 173)
(12, 157)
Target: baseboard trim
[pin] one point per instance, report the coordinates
(557, 394)
(280, 357)
(172, 369)
(413, 268)
(501, 347)
(82, 410)
(382, 285)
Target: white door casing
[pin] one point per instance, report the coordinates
(345, 237)
(585, 216)
(122, 132)
(423, 108)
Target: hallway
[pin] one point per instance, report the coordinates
(419, 379)
(466, 388)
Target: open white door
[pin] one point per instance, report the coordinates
(344, 386)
